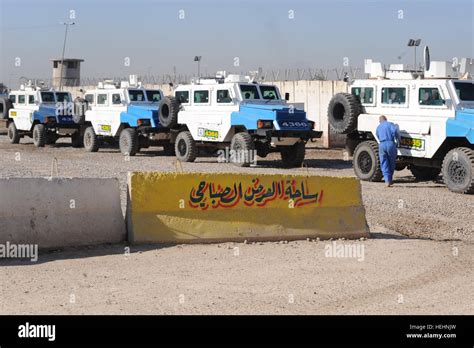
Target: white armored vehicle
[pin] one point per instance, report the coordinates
(237, 114)
(434, 110)
(127, 112)
(42, 114)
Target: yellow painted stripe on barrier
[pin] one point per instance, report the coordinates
(204, 207)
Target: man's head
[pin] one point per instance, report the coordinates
(382, 119)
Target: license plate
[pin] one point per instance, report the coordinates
(294, 124)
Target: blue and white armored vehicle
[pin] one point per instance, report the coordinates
(434, 110)
(42, 114)
(128, 113)
(239, 115)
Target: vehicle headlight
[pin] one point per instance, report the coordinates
(264, 124)
(143, 122)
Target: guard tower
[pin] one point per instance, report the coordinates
(71, 71)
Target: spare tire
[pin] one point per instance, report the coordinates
(79, 112)
(5, 105)
(168, 112)
(343, 111)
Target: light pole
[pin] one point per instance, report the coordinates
(198, 60)
(414, 43)
(67, 24)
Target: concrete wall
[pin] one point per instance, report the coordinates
(315, 95)
(60, 212)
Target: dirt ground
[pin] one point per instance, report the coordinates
(418, 261)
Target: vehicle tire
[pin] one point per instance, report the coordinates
(13, 135)
(5, 106)
(129, 142)
(77, 140)
(243, 146)
(168, 112)
(39, 135)
(424, 173)
(343, 110)
(458, 170)
(79, 112)
(293, 156)
(168, 149)
(185, 147)
(366, 161)
(90, 140)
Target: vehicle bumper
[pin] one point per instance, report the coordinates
(303, 135)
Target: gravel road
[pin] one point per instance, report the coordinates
(418, 261)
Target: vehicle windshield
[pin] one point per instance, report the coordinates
(465, 90)
(269, 92)
(136, 95)
(47, 97)
(153, 96)
(63, 97)
(249, 92)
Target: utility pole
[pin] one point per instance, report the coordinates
(67, 24)
(414, 43)
(198, 60)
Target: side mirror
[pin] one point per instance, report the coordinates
(287, 96)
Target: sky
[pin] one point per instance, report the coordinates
(159, 36)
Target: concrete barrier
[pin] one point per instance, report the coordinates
(60, 212)
(199, 207)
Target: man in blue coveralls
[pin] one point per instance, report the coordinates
(387, 133)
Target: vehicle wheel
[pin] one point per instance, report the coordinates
(366, 161)
(293, 156)
(243, 149)
(39, 135)
(76, 140)
(13, 134)
(343, 110)
(458, 170)
(185, 147)
(169, 150)
(129, 142)
(5, 106)
(424, 173)
(90, 140)
(168, 112)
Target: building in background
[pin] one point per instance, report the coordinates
(71, 71)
